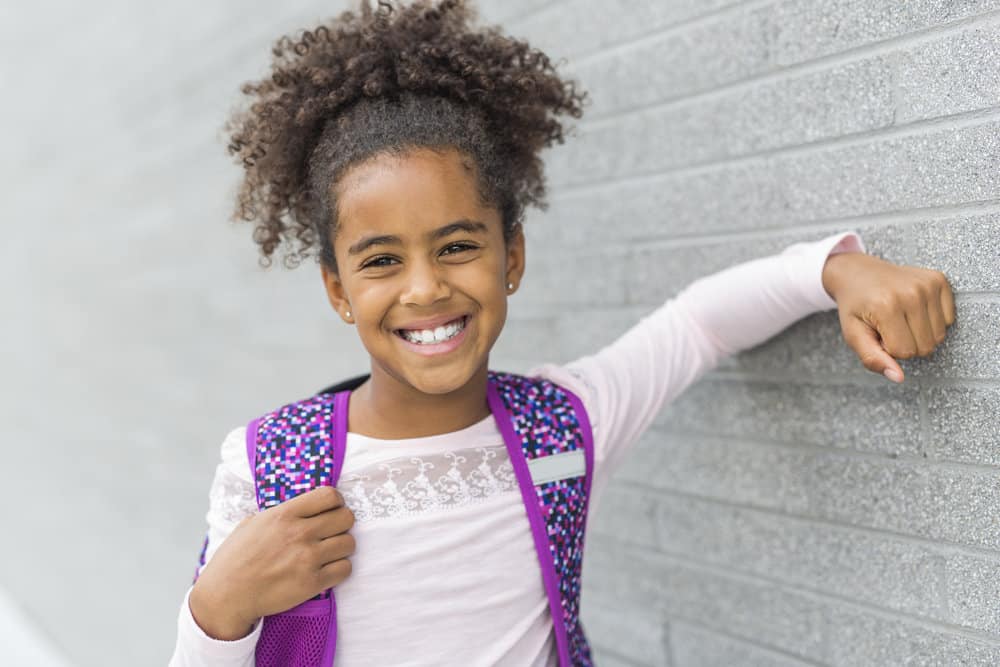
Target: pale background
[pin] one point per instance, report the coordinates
(790, 509)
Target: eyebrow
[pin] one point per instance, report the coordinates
(471, 226)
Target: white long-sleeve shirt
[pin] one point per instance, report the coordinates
(445, 570)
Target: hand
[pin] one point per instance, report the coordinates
(887, 310)
(273, 561)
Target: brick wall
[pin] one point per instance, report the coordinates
(791, 508)
(827, 517)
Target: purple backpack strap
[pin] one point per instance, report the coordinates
(550, 442)
(292, 450)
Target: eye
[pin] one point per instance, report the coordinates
(458, 247)
(380, 261)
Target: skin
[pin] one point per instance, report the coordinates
(888, 311)
(393, 285)
(287, 554)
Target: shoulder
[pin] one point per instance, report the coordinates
(570, 378)
(233, 453)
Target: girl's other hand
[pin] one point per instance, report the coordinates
(273, 561)
(887, 310)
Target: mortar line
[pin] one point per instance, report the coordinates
(883, 219)
(532, 13)
(642, 38)
(844, 452)
(925, 126)
(691, 621)
(620, 656)
(766, 648)
(880, 219)
(806, 67)
(887, 614)
(867, 379)
(939, 549)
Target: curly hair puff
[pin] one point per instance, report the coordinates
(391, 79)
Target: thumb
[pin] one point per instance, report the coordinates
(867, 344)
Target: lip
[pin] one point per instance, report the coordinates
(431, 323)
(433, 349)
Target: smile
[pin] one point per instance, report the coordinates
(444, 338)
(437, 335)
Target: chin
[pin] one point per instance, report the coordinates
(439, 382)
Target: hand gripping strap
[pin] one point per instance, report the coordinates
(541, 420)
(293, 450)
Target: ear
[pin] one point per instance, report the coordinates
(515, 260)
(336, 294)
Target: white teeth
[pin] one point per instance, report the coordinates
(438, 335)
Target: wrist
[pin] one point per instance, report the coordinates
(833, 272)
(217, 617)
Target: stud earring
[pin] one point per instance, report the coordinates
(510, 285)
(347, 313)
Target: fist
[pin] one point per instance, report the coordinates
(888, 311)
(275, 560)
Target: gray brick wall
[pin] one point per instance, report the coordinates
(826, 517)
(791, 508)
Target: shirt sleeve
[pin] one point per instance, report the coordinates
(624, 385)
(231, 499)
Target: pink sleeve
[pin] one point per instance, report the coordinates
(624, 385)
(231, 499)
(196, 649)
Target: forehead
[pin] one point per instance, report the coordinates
(418, 190)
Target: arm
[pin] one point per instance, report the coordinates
(258, 564)
(231, 500)
(628, 382)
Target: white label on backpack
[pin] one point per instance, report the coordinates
(557, 466)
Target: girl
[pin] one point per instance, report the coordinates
(401, 146)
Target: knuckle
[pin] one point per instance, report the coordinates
(329, 494)
(912, 295)
(886, 302)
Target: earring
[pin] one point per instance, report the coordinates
(347, 313)
(510, 286)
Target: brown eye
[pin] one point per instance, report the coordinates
(380, 261)
(459, 247)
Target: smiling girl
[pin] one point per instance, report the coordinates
(433, 511)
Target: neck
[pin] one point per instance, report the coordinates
(387, 409)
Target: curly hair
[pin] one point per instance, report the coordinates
(388, 80)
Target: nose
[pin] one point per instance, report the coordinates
(425, 285)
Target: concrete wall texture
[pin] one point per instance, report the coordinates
(790, 509)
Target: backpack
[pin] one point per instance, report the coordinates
(550, 443)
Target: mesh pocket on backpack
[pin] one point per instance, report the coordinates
(297, 637)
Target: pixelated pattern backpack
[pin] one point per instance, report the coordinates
(550, 443)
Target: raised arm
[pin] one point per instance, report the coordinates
(628, 382)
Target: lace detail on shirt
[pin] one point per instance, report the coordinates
(231, 498)
(411, 485)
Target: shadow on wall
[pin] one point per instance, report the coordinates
(21, 643)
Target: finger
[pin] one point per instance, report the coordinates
(948, 303)
(330, 523)
(935, 315)
(337, 547)
(316, 501)
(920, 329)
(897, 339)
(864, 340)
(333, 573)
